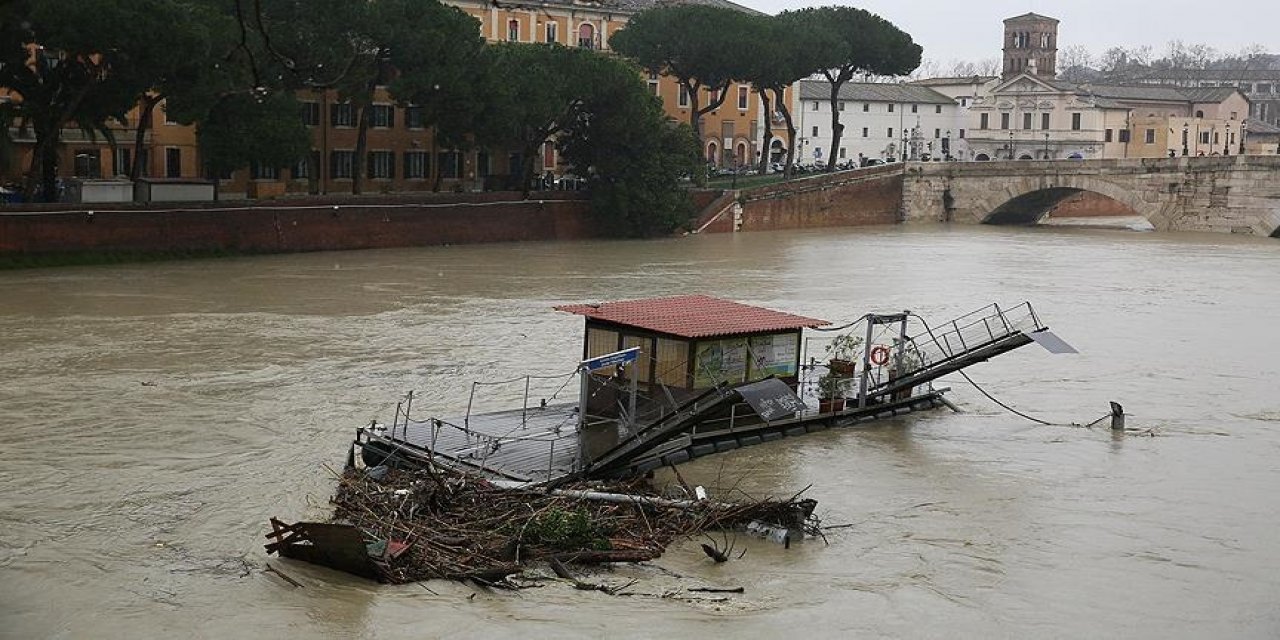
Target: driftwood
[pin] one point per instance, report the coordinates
(450, 525)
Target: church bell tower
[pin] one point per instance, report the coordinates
(1030, 46)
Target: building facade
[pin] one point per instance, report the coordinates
(1260, 86)
(881, 121)
(1030, 115)
(401, 153)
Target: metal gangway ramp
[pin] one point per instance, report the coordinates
(948, 347)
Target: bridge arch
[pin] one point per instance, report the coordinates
(1029, 201)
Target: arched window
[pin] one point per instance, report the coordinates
(741, 153)
(513, 30)
(587, 35)
(713, 152)
(982, 157)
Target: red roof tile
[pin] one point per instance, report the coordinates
(694, 316)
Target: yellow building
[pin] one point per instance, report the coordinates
(401, 154)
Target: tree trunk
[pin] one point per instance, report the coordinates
(695, 115)
(791, 130)
(526, 168)
(837, 129)
(48, 128)
(768, 132)
(435, 160)
(362, 141)
(149, 103)
(42, 173)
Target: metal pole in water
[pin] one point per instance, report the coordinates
(1117, 417)
(396, 420)
(408, 405)
(466, 420)
(551, 459)
(435, 433)
(524, 409)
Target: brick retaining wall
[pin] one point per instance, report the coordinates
(846, 199)
(295, 225)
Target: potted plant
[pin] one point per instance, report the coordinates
(831, 391)
(842, 355)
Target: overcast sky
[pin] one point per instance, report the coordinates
(951, 30)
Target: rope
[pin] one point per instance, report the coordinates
(1031, 418)
(1005, 406)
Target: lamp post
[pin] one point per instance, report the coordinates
(1046, 145)
(1244, 131)
(1010, 145)
(1185, 132)
(1226, 141)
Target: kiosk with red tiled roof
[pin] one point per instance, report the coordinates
(666, 380)
(696, 341)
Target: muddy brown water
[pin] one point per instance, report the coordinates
(156, 415)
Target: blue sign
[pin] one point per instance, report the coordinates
(611, 359)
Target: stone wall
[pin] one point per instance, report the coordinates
(846, 199)
(297, 225)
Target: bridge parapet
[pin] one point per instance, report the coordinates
(1233, 194)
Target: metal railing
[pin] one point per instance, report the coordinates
(966, 334)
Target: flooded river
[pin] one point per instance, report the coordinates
(154, 416)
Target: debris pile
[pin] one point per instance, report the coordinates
(437, 523)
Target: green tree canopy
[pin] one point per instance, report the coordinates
(702, 47)
(857, 42)
(530, 92)
(70, 63)
(779, 62)
(355, 47)
(247, 129)
(632, 154)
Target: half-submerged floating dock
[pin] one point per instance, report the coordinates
(666, 380)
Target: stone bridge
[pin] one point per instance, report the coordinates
(1226, 194)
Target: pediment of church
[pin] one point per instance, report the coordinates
(1025, 83)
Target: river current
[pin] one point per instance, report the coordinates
(155, 416)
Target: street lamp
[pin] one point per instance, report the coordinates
(1010, 145)
(1185, 131)
(1046, 145)
(1226, 141)
(1244, 131)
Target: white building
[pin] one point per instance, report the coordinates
(880, 121)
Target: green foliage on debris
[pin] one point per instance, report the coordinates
(566, 530)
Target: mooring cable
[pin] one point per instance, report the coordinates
(997, 401)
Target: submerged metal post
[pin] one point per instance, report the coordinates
(435, 433)
(524, 407)
(1117, 417)
(551, 458)
(408, 405)
(466, 420)
(396, 420)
